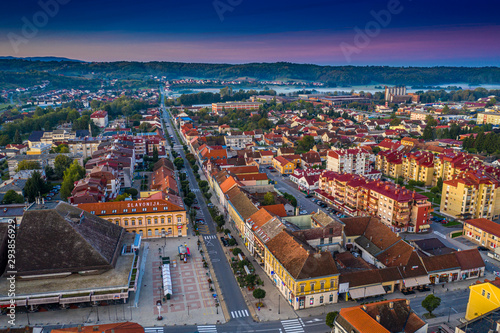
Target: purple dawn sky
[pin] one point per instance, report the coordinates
(421, 34)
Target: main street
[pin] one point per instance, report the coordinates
(454, 302)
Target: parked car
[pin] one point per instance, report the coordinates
(196, 207)
(303, 212)
(269, 167)
(224, 241)
(210, 205)
(272, 170)
(309, 196)
(200, 221)
(482, 248)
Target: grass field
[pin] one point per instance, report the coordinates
(433, 197)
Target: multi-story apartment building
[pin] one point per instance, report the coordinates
(84, 147)
(419, 166)
(390, 163)
(355, 161)
(100, 118)
(397, 207)
(488, 118)
(472, 195)
(237, 142)
(218, 107)
(148, 218)
(450, 164)
(483, 232)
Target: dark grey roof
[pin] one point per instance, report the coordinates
(54, 241)
(35, 136)
(82, 133)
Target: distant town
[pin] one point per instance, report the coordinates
(154, 210)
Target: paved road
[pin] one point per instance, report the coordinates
(233, 297)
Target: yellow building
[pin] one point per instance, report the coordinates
(283, 165)
(239, 208)
(471, 196)
(39, 149)
(148, 218)
(488, 118)
(390, 163)
(483, 298)
(483, 232)
(419, 166)
(305, 277)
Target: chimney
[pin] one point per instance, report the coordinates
(378, 318)
(391, 305)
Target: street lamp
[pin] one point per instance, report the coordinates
(279, 305)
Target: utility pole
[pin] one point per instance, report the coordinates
(279, 305)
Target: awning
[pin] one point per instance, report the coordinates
(423, 280)
(411, 282)
(374, 291)
(357, 293)
(367, 292)
(424, 226)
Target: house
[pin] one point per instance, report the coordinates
(391, 316)
(283, 165)
(100, 118)
(483, 298)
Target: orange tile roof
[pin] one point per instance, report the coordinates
(228, 184)
(278, 210)
(485, 225)
(360, 320)
(260, 217)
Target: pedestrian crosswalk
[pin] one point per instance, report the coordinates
(207, 329)
(239, 314)
(153, 329)
(293, 325)
(195, 190)
(210, 237)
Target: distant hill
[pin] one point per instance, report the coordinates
(342, 76)
(42, 58)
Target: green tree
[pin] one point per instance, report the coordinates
(268, 199)
(28, 165)
(35, 186)
(179, 163)
(61, 163)
(12, 196)
(132, 191)
(395, 122)
(236, 251)
(431, 303)
(72, 174)
(439, 184)
(122, 197)
(305, 144)
(330, 318)
(259, 294)
(17, 138)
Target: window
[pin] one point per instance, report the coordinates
(149, 221)
(488, 296)
(150, 233)
(312, 285)
(140, 221)
(133, 209)
(133, 222)
(155, 208)
(113, 211)
(165, 208)
(169, 220)
(311, 301)
(117, 222)
(302, 288)
(144, 209)
(126, 223)
(179, 220)
(321, 300)
(321, 241)
(156, 232)
(162, 220)
(330, 299)
(322, 284)
(156, 220)
(125, 210)
(92, 212)
(483, 292)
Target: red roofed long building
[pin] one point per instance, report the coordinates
(148, 218)
(401, 209)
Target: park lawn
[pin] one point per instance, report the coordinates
(452, 224)
(433, 197)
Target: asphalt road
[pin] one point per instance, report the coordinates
(233, 297)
